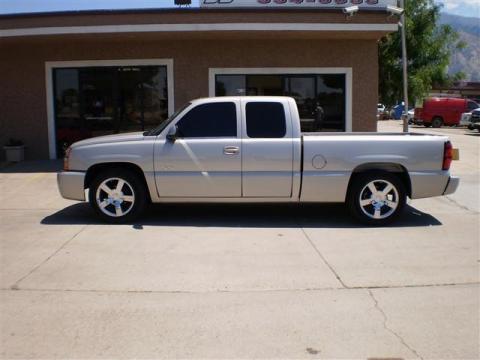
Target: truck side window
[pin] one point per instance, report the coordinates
(265, 120)
(209, 120)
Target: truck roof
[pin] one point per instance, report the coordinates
(445, 99)
(234, 98)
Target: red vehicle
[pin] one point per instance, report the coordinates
(443, 111)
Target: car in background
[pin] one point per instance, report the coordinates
(475, 120)
(382, 112)
(465, 119)
(437, 112)
(417, 116)
(380, 108)
(410, 115)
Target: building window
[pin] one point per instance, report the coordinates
(321, 98)
(94, 101)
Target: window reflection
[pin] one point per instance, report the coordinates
(320, 97)
(231, 85)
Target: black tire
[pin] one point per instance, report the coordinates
(133, 189)
(470, 127)
(437, 122)
(359, 190)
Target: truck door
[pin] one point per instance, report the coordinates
(205, 158)
(267, 147)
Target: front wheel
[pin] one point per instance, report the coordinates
(376, 198)
(117, 195)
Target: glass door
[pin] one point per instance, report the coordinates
(98, 108)
(95, 101)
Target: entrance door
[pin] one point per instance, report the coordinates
(205, 159)
(267, 150)
(103, 100)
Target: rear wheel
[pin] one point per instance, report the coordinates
(437, 122)
(117, 196)
(376, 198)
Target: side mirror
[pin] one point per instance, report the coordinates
(172, 134)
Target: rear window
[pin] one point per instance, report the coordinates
(266, 120)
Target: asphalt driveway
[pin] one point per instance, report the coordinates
(223, 281)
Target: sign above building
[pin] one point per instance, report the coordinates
(317, 4)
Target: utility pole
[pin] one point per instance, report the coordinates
(403, 29)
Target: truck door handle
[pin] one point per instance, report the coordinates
(231, 150)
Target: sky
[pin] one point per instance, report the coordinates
(458, 7)
(469, 8)
(21, 6)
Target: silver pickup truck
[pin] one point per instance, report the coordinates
(251, 149)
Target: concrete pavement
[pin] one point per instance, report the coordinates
(239, 281)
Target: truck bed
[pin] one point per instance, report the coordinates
(365, 133)
(329, 159)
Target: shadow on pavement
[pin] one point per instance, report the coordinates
(38, 166)
(239, 215)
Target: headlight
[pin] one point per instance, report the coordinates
(66, 159)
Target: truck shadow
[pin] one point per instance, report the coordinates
(33, 166)
(239, 215)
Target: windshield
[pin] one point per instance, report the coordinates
(164, 124)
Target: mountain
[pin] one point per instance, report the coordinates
(468, 59)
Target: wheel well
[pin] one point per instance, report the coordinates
(94, 170)
(396, 169)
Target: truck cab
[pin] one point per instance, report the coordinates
(253, 151)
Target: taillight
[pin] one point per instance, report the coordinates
(66, 159)
(447, 155)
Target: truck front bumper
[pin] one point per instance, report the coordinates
(452, 185)
(71, 185)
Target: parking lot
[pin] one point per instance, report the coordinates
(224, 281)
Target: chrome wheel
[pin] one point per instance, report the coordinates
(379, 199)
(115, 197)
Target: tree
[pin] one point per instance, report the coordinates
(429, 48)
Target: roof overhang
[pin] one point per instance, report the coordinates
(204, 27)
